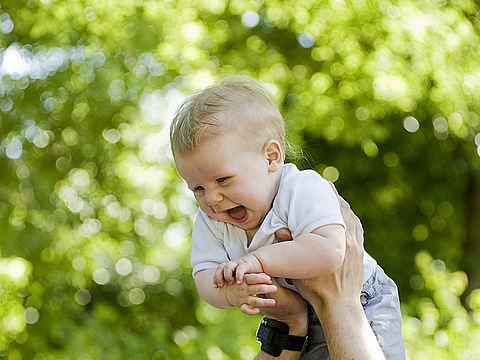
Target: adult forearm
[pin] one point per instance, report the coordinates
(307, 256)
(348, 336)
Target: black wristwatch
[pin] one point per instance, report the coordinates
(274, 337)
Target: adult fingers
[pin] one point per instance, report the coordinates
(257, 278)
(249, 310)
(258, 302)
(352, 222)
(353, 263)
(283, 235)
(355, 229)
(261, 289)
(344, 205)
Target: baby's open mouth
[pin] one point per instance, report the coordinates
(238, 213)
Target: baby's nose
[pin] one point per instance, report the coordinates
(213, 197)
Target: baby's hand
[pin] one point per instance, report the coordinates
(236, 269)
(224, 273)
(247, 296)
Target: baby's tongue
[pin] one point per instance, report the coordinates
(238, 213)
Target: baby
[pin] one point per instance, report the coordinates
(228, 143)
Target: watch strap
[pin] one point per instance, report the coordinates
(273, 335)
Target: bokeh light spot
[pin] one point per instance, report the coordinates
(411, 124)
(14, 149)
(250, 19)
(331, 173)
(370, 148)
(362, 113)
(123, 267)
(445, 209)
(420, 232)
(101, 276)
(306, 40)
(83, 297)
(16, 269)
(79, 263)
(151, 274)
(7, 26)
(441, 338)
(391, 159)
(477, 139)
(136, 296)
(111, 135)
(31, 315)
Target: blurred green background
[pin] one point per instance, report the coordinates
(383, 98)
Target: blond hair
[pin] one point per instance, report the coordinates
(237, 104)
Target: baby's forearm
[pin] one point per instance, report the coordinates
(214, 296)
(307, 256)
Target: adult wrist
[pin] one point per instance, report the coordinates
(335, 307)
(299, 327)
(226, 295)
(275, 338)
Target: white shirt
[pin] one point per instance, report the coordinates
(304, 202)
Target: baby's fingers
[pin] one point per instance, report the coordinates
(249, 310)
(229, 271)
(240, 272)
(218, 281)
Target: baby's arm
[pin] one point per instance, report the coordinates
(310, 255)
(244, 296)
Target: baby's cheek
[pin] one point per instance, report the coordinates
(207, 210)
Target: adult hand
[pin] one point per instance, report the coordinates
(289, 307)
(252, 294)
(336, 299)
(347, 281)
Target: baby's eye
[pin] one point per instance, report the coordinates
(198, 189)
(222, 179)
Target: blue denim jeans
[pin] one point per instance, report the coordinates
(381, 304)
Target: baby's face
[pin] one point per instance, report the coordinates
(233, 180)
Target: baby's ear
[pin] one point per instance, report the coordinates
(273, 155)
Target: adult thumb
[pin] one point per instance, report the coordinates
(283, 235)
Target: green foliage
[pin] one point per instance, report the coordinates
(442, 328)
(94, 252)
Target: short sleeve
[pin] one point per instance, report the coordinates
(208, 250)
(307, 202)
